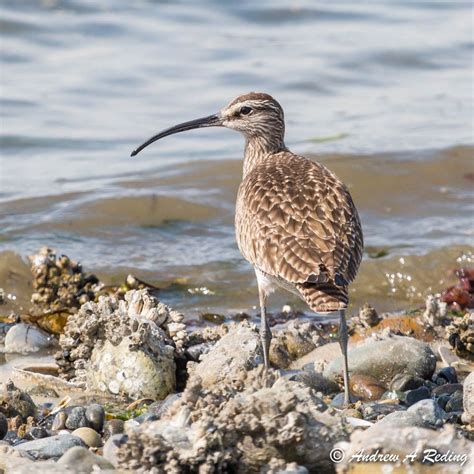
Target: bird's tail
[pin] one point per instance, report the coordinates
(324, 298)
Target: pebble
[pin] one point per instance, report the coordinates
(76, 418)
(3, 425)
(87, 460)
(52, 447)
(15, 402)
(366, 387)
(338, 400)
(383, 359)
(112, 445)
(404, 382)
(23, 338)
(351, 412)
(37, 432)
(448, 374)
(317, 381)
(373, 411)
(160, 407)
(468, 402)
(59, 421)
(113, 427)
(414, 396)
(455, 402)
(95, 415)
(447, 389)
(425, 414)
(89, 436)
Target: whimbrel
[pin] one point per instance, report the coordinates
(295, 221)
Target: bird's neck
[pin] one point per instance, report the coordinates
(257, 148)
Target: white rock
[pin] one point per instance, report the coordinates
(23, 338)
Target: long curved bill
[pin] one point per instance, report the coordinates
(210, 121)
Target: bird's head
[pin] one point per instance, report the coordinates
(255, 115)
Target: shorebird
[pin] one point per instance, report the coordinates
(295, 221)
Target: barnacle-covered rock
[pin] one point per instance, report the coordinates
(461, 335)
(123, 346)
(237, 352)
(235, 426)
(14, 402)
(297, 339)
(436, 310)
(468, 399)
(60, 283)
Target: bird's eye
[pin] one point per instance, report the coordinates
(245, 110)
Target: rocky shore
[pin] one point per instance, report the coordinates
(132, 386)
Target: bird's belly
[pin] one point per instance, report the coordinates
(268, 284)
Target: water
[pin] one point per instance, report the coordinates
(381, 92)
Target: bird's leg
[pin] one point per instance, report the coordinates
(343, 337)
(265, 332)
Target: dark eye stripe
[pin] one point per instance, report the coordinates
(245, 110)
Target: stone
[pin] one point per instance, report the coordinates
(14, 402)
(137, 373)
(95, 415)
(52, 447)
(236, 426)
(448, 374)
(424, 414)
(113, 427)
(447, 389)
(236, 353)
(89, 436)
(59, 421)
(23, 338)
(468, 399)
(366, 387)
(37, 432)
(159, 408)
(455, 402)
(414, 396)
(315, 380)
(319, 356)
(112, 446)
(383, 359)
(404, 382)
(3, 425)
(76, 418)
(84, 461)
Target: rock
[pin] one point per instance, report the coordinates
(236, 353)
(403, 382)
(111, 447)
(59, 421)
(76, 418)
(196, 351)
(14, 402)
(3, 425)
(414, 396)
(455, 402)
(235, 426)
(366, 387)
(52, 447)
(383, 359)
(402, 442)
(23, 338)
(316, 381)
(297, 339)
(135, 374)
(424, 414)
(447, 389)
(89, 436)
(137, 330)
(95, 415)
(447, 374)
(318, 357)
(113, 427)
(468, 399)
(351, 412)
(85, 460)
(37, 432)
(435, 310)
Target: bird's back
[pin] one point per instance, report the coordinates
(296, 222)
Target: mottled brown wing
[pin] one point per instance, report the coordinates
(297, 221)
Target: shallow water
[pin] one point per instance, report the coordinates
(379, 92)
